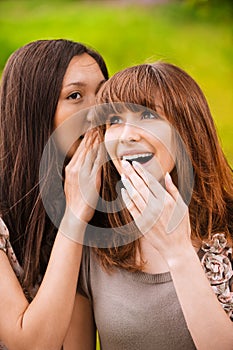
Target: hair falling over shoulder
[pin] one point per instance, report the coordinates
(30, 89)
(186, 108)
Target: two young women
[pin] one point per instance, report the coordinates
(152, 291)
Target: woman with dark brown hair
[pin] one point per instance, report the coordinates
(163, 279)
(43, 84)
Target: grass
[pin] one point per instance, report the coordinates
(199, 39)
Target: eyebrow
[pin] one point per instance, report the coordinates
(82, 84)
(76, 83)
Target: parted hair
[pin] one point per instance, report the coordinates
(187, 110)
(30, 87)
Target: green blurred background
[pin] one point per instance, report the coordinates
(194, 34)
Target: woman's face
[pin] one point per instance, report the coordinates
(81, 82)
(143, 136)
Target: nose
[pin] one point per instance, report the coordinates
(130, 134)
(91, 120)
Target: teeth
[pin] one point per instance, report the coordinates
(135, 156)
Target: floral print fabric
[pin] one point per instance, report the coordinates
(6, 246)
(217, 264)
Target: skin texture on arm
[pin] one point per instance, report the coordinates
(23, 324)
(209, 325)
(82, 331)
(43, 323)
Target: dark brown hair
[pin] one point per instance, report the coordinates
(30, 89)
(186, 108)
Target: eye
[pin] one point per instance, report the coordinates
(74, 96)
(113, 120)
(149, 115)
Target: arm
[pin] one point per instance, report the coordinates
(28, 326)
(163, 218)
(82, 331)
(208, 323)
(43, 323)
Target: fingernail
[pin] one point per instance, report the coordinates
(124, 181)
(168, 179)
(125, 164)
(123, 177)
(125, 196)
(136, 164)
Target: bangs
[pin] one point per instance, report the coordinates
(103, 111)
(131, 89)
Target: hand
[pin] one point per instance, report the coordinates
(160, 213)
(83, 177)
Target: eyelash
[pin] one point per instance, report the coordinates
(146, 113)
(111, 120)
(115, 119)
(74, 94)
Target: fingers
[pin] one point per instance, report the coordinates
(139, 189)
(143, 181)
(170, 187)
(154, 186)
(180, 209)
(129, 203)
(99, 159)
(133, 194)
(82, 153)
(143, 221)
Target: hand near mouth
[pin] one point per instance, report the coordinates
(160, 213)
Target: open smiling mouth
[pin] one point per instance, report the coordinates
(140, 158)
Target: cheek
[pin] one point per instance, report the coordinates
(111, 142)
(110, 146)
(167, 155)
(58, 119)
(63, 112)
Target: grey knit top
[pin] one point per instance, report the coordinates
(133, 311)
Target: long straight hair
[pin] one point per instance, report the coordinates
(186, 109)
(30, 89)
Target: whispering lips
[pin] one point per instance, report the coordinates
(140, 158)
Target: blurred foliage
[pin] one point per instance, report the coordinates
(194, 34)
(224, 6)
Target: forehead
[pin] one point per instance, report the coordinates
(82, 68)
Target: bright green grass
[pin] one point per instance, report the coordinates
(198, 40)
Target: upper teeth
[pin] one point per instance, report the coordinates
(135, 156)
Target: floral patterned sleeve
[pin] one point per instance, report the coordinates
(217, 262)
(7, 248)
(5, 245)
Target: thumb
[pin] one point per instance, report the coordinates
(170, 187)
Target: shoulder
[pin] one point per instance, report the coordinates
(3, 229)
(4, 236)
